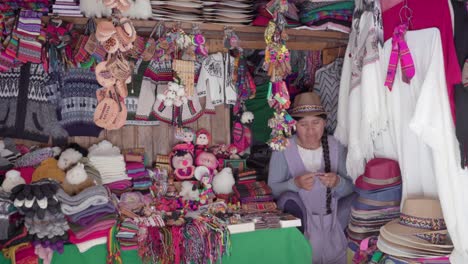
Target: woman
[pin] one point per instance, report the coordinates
(310, 174)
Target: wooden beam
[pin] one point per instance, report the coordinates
(251, 37)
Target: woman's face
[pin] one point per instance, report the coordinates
(310, 130)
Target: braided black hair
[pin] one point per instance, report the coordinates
(326, 159)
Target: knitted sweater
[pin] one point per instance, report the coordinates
(78, 102)
(25, 111)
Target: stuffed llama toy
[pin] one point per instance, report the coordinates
(12, 179)
(68, 158)
(223, 181)
(76, 180)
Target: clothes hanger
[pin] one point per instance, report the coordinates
(407, 13)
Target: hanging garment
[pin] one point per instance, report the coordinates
(327, 85)
(426, 14)
(362, 110)
(215, 81)
(425, 136)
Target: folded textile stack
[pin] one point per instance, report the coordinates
(91, 214)
(181, 10)
(111, 166)
(136, 170)
(327, 15)
(128, 235)
(255, 196)
(8, 154)
(263, 16)
(43, 218)
(228, 12)
(36, 5)
(379, 190)
(7, 216)
(247, 176)
(418, 235)
(67, 8)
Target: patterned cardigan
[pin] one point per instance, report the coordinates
(25, 109)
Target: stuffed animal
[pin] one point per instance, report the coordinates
(247, 117)
(68, 158)
(223, 181)
(76, 180)
(208, 160)
(12, 179)
(202, 141)
(174, 95)
(189, 191)
(182, 161)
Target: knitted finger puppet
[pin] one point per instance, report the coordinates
(76, 180)
(182, 161)
(202, 141)
(223, 181)
(12, 179)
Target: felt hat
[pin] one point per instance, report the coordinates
(307, 104)
(421, 226)
(48, 169)
(378, 199)
(379, 173)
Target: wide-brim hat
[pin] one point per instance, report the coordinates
(400, 250)
(379, 173)
(307, 104)
(384, 198)
(421, 224)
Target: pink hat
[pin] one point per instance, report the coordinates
(380, 173)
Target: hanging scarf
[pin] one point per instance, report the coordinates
(400, 51)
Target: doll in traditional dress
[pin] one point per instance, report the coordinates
(182, 161)
(186, 135)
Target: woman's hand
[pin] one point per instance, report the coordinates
(305, 181)
(330, 179)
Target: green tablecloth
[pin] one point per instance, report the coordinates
(285, 245)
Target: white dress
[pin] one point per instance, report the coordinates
(424, 134)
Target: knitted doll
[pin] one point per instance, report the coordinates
(187, 135)
(202, 141)
(182, 161)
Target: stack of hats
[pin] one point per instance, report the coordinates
(91, 214)
(111, 166)
(43, 218)
(128, 235)
(379, 190)
(228, 12)
(419, 233)
(181, 10)
(67, 8)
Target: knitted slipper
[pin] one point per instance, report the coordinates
(28, 203)
(41, 213)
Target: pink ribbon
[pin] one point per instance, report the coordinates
(400, 51)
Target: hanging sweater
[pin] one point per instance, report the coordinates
(25, 111)
(78, 102)
(215, 81)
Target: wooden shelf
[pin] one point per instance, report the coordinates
(251, 37)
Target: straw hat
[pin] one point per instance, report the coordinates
(307, 104)
(421, 226)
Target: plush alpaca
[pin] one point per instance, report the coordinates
(94, 8)
(12, 179)
(189, 191)
(76, 180)
(223, 181)
(68, 158)
(140, 9)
